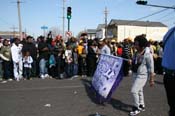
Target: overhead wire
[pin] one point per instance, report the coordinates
(152, 14)
(5, 22)
(164, 16)
(138, 19)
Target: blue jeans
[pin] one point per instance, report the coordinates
(69, 69)
(75, 69)
(42, 66)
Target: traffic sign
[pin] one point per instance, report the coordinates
(44, 27)
(68, 34)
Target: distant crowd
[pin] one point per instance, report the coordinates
(48, 57)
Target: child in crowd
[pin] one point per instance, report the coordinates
(68, 61)
(27, 63)
(75, 62)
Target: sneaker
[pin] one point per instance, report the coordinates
(4, 82)
(42, 76)
(46, 76)
(61, 76)
(141, 108)
(134, 111)
(10, 79)
(75, 76)
(17, 79)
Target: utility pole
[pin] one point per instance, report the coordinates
(19, 19)
(14, 28)
(106, 21)
(63, 18)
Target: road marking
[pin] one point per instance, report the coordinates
(43, 88)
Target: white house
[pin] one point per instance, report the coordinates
(100, 32)
(121, 29)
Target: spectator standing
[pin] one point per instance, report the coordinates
(16, 51)
(80, 49)
(60, 58)
(126, 53)
(30, 47)
(1, 69)
(91, 58)
(75, 62)
(104, 48)
(27, 63)
(43, 57)
(6, 56)
(168, 63)
(68, 61)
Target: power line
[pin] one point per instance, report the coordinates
(171, 18)
(5, 22)
(14, 32)
(147, 16)
(165, 16)
(152, 14)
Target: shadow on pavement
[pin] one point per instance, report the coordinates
(119, 105)
(90, 91)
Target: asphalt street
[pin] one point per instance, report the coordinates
(73, 97)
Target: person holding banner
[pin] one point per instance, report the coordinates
(142, 68)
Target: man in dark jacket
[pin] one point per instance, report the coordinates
(43, 57)
(30, 47)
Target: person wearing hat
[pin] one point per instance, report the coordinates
(168, 63)
(104, 47)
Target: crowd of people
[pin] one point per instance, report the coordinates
(52, 57)
(49, 57)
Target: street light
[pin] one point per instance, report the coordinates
(144, 2)
(141, 2)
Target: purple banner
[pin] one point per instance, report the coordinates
(107, 75)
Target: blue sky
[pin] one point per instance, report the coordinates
(86, 14)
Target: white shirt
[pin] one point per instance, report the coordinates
(27, 62)
(105, 50)
(16, 52)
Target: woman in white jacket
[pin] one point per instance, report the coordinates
(142, 68)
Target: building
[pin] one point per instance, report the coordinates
(91, 33)
(121, 29)
(100, 32)
(8, 34)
